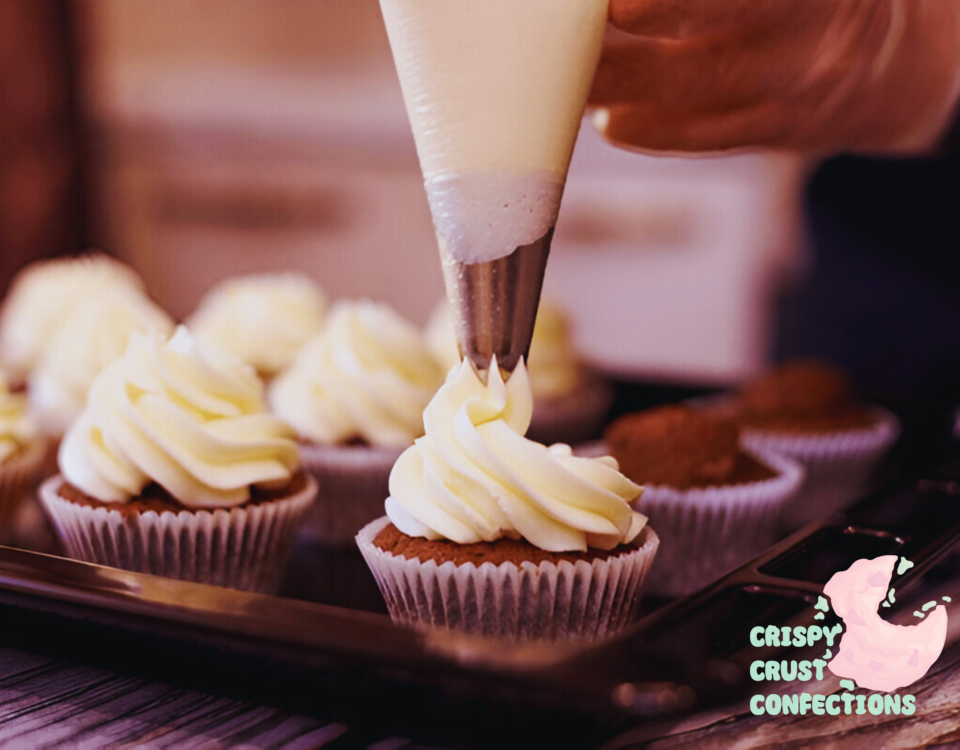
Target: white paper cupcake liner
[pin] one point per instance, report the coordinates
(572, 418)
(707, 532)
(19, 473)
(244, 548)
(353, 481)
(838, 465)
(562, 601)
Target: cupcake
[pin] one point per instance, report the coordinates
(174, 468)
(43, 296)
(355, 395)
(94, 334)
(22, 449)
(264, 319)
(570, 401)
(492, 533)
(806, 410)
(715, 505)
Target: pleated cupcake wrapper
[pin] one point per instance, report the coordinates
(244, 548)
(19, 473)
(353, 481)
(521, 602)
(707, 532)
(838, 465)
(574, 417)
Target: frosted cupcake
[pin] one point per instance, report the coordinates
(355, 396)
(264, 319)
(570, 401)
(175, 469)
(714, 504)
(43, 296)
(22, 449)
(806, 410)
(93, 335)
(492, 533)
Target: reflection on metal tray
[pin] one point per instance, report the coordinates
(325, 646)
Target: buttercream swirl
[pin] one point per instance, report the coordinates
(263, 319)
(553, 365)
(474, 477)
(368, 375)
(94, 335)
(44, 295)
(184, 415)
(17, 429)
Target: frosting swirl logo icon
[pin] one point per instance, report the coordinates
(874, 653)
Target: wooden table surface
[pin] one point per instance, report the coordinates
(50, 703)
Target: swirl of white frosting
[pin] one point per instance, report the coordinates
(474, 477)
(263, 319)
(553, 365)
(96, 333)
(184, 415)
(44, 295)
(368, 375)
(17, 429)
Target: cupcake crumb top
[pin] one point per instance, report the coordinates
(802, 396)
(503, 550)
(676, 446)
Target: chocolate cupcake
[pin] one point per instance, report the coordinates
(807, 411)
(491, 533)
(714, 504)
(355, 395)
(570, 400)
(175, 469)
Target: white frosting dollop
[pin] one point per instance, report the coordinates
(474, 477)
(553, 365)
(184, 415)
(368, 375)
(44, 295)
(17, 429)
(263, 319)
(94, 335)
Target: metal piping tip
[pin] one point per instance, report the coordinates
(495, 304)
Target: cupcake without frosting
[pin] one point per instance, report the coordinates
(94, 334)
(175, 468)
(490, 532)
(807, 410)
(264, 319)
(22, 448)
(570, 401)
(355, 395)
(43, 296)
(715, 504)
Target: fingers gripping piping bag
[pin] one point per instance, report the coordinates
(495, 91)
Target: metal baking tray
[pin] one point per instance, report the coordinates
(325, 646)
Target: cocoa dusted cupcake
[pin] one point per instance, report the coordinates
(176, 469)
(714, 504)
(355, 395)
(807, 410)
(570, 400)
(492, 533)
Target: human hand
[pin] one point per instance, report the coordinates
(812, 75)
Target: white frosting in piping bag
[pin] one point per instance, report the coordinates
(495, 91)
(474, 477)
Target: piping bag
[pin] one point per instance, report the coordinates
(495, 91)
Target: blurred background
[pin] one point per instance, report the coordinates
(196, 139)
